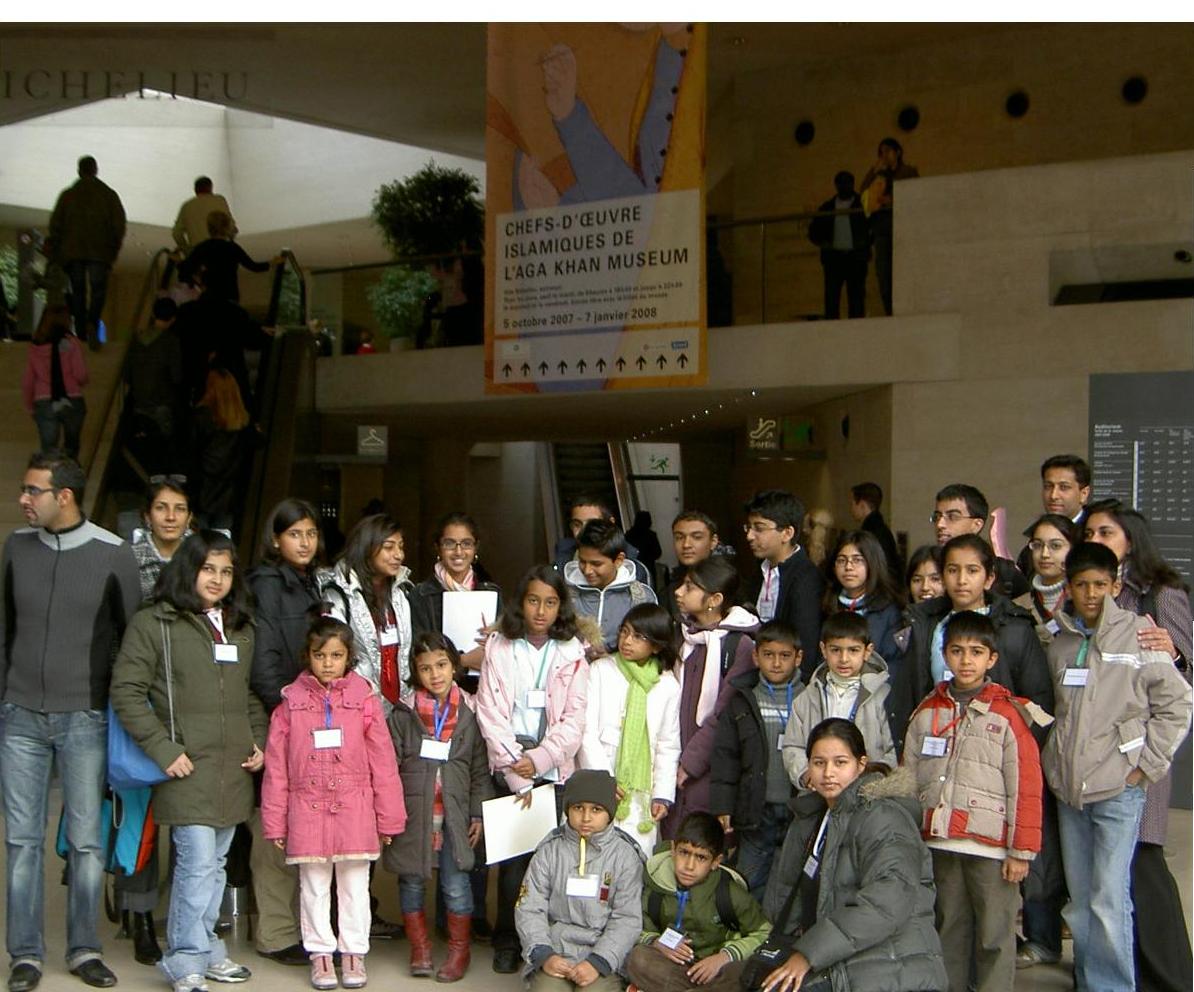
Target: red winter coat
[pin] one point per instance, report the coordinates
(330, 803)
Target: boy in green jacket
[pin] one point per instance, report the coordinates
(700, 923)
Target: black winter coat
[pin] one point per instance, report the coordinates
(283, 598)
(1022, 667)
(801, 587)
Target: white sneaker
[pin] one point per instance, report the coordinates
(192, 983)
(228, 971)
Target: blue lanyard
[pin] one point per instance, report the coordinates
(327, 711)
(853, 709)
(681, 902)
(771, 693)
(440, 719)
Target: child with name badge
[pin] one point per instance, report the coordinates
(445, 778)
(851, 683)
(331, 796)
(531, 708)
(579, 910)
(632, 728)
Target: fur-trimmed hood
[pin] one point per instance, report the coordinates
(877, 784)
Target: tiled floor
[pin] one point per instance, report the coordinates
(386, 963)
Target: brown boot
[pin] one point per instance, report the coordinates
(420, 943)
(460, 931)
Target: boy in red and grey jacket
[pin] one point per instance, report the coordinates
(978, 772)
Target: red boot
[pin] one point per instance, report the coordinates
(420, 943)
(460, 931)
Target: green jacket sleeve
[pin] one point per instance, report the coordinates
(755, 926)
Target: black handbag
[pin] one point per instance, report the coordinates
(777, 948)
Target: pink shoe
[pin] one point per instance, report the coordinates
(323, 975)
(352, 971)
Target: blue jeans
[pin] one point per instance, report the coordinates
(195, 895)
(64, 420)
(456, 885)
(1097, 844)
(756, 848)
(30, 744)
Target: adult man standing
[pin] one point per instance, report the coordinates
(86, 232)
(882, 176)
(190, 228)
(865, 500)
(845, 244)
(68, 590)
(1065, 489)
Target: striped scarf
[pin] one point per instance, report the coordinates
(634, 752)
(425, 710)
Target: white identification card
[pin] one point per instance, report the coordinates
(779, 742)
(934, 747)
(1053, 627)
(671, 939)
(435, 750)
(389, 636)
(1075, 677)
(811, 866)
(583, 886)
(226, 654)
(328, 737)
(1131, 745)
(536, 699)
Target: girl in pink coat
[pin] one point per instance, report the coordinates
(331, 797)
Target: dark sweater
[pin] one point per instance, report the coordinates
(67, 598)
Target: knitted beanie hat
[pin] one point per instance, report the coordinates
(591, 786)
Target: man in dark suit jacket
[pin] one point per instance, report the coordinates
(845, 243)
(865, 500)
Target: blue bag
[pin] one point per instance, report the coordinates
(128, 766)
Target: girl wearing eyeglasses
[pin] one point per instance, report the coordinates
(1050, 538)
(857, 579)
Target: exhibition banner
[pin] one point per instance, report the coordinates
(595, 160)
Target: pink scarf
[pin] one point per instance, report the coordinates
(711, 638)
(450, 584)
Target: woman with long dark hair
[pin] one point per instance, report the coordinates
(857, 579)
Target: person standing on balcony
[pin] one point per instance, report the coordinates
(190, 228)
(86, 232)
(882, 176)
(845, 244)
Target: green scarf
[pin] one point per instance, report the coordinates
(634, 753)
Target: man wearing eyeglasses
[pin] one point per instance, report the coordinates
(962, 509)
(68, 590)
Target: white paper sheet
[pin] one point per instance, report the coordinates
(511, 830)
(465, 613)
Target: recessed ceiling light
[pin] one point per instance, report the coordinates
(737, 41)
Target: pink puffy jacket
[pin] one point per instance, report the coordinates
(330, 803)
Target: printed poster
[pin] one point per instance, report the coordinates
(595, 159)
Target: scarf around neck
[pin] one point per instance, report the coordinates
(449, 584)
(634, 763)
(711, 638)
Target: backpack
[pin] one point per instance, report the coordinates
(729, 650)
(722, 899)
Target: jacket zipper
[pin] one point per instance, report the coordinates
(45, 642)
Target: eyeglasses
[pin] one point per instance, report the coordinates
(449, 545)
(953, 516)
(157, 480)
(36, 491)
(757, 528)
(1056, 546)
(856, 560)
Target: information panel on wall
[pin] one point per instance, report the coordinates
(1142, 452)
(595, 144)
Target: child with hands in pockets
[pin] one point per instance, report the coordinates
(331, 791)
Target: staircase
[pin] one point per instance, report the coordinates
(583, 468)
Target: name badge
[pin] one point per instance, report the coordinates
(779, 742)
(328, 737)
(226, 654)
(389, 636)
(435, 750)
(583, 886)
(1131, 745)
(1076, 677)
(934, 747)
(1053, 627)
(811, 866)
(536, 699)
(671, 939)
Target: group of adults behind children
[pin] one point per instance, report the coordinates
(862, 742)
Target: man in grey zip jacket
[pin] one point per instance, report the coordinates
(68, 590)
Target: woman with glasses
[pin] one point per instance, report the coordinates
(457, 569)
(857, 579)
(1050, 538)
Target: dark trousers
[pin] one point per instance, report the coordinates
(510, 875)
(64, 419)
(652, 972)
(1163, 960)
(1044, 889)
(848, 267)
(88, 290)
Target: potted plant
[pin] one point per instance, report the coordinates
(399, 301)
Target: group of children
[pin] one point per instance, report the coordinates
(696, 732)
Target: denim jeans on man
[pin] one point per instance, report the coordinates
(1097, 843)
(195, 896)
(30, 744)
(756, 848)
(455, 884)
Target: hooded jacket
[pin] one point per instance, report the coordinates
(330, 803)
(609, 605)
(874, 929)
(601, 931)
(215, 719)
(283, 598)
(704, 930)
(1021, 668)
(870, 718)
(984, 795)
(1132, 713)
